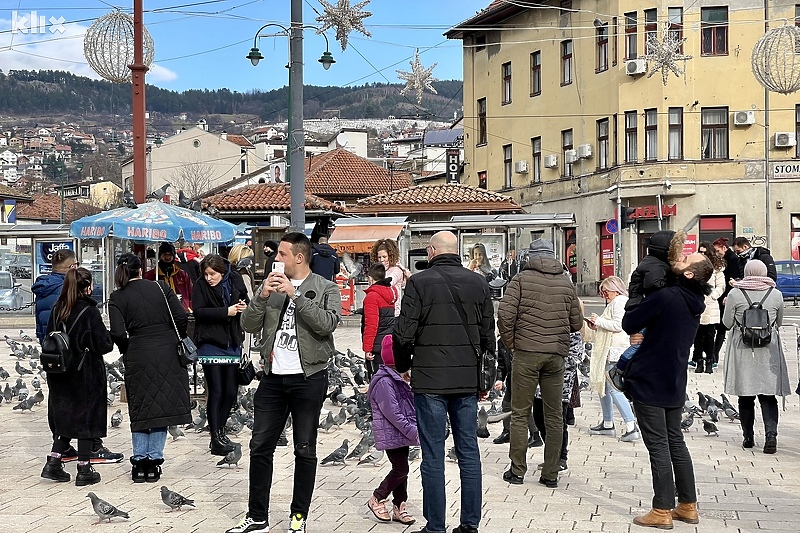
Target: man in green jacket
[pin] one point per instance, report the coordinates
(296, 312)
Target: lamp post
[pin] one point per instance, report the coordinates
(295, 144)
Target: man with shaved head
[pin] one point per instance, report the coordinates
(445, 373)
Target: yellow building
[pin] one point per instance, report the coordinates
(563, 113)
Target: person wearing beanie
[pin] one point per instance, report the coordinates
(394, 423)
(173, 275)
(270, 251)
(377, 318)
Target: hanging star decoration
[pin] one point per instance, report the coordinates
(344, 18)
(663, 55)
(419, 78)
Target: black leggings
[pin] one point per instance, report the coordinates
(222, 384)
(704, 343)
(61, 445)
(538, 416)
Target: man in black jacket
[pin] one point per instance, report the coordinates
(445, 373)
(731, 272)
(325, 260)
(746, 252)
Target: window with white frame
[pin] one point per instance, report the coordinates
(482, 134)
(536, 159)
(651, 134)
(714, 133)
(566, 144)
(507, 170)
(506, 73)
(631, 137)
(650, 29)
(602, 144)
(536, 73)
(630, 35)
(602, 48)
(566, 62)
(675, 133)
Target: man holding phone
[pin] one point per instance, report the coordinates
(296, 312)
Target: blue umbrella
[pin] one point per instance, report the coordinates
(153, 221)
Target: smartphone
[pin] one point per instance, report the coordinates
(588, 321)
(278, 266)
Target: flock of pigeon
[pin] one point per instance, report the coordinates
(709, 406)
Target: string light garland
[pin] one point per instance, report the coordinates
(344, 18)
(775, 60)
(419, 79)
(663, 55)
(108, 46)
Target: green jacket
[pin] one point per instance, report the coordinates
(317, 309)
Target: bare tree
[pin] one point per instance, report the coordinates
(193, 178)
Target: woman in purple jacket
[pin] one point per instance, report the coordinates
(394, 422)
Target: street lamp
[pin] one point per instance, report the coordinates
(294, 146)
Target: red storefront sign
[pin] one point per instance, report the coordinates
(690, 244)
(651, 211)
(606, 256)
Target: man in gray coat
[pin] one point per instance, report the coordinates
(538, 312)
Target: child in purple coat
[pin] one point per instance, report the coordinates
(394, 422)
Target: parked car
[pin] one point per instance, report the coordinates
(19, 265)
(10, 293)
(788, 278)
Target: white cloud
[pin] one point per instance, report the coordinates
(157, 73)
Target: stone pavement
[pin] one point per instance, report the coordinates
(607, 484)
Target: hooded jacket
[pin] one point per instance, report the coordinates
(653, 272)
(539, 309)
(378, 318)
(324, 261)
(178, 280)
(656, 375)
(46, 289)
(760, 253)
(394, 420)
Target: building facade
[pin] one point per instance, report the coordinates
(563, 112)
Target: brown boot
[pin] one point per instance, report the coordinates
(660, 518)
(686, 512)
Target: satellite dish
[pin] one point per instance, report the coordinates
(341, 139)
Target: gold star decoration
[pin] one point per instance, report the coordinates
(663, 56)
(419, 78)
(344, 18)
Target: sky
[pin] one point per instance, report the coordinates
(202, 44)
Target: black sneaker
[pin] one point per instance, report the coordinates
(535, 441)
(562, 466)
(71, 454)
(248, 525)
(510, 477)
(549, 483)
(615, 379)
(104, 456)
(282, 441)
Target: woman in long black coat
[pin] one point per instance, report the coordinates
(156, 384)
(77, 406)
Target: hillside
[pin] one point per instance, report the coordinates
(62, 94)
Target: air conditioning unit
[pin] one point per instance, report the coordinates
(570, 156)
(340, 203)
(584, 151)
(636, 67)
(785, 139)
(551, 161)
(744, 118)
(521, 167)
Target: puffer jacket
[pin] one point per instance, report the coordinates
(540, 309)
(394, 420)
(653, 272)
(712, 315)
(47, 288)
(378, 318)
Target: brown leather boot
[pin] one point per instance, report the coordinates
(686, 512)
(660, 518)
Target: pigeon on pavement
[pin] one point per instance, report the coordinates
(687, 421)
(104, 510)
(360, 448)
(24, 336)
(328, 423)
(483, 419)
(176, 432)
(373, 458)
(4, 375)
(233, 457)
(413, 453)
(710, 427)
(174, 500)
(26, 404)
(338, 455)
(21, 370)
(116, 419)
(38, 397)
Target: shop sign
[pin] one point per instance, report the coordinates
(786, 170)
(44, 252)
(651, 211)
(690, 244)
(453, 164)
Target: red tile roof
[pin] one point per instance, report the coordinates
(47, 208)
(240, 140)
(340, 174)
(451, 197)
(265, 197)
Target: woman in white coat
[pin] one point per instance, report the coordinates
(703, 355)
(751, 372)
(610, 342)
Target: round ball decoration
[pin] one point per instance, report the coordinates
(108, 46)
(776, 59)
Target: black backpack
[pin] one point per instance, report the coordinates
(56, 356)
(755, 327)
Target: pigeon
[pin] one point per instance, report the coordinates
(8, 394)
(328, 423)
(38, 397)
(174, 500)
(731, 413)
(483, 419)
(11, 342)
(4, 375)
(128, 200)
(24, 336)
(36, 383)
(176, 432)
(21, 370)
(687, 421)
(22, 392)
(159, 193)
(713, 413)
(233, 457)
(360, 449)
(26, 405)
(726, 403)
(710, 427)
(413, 453)
(183, 200)
(451, 454)
(116, 419)
(493, 410)
(338, 455)
(104, 510)
(373, 458)
(702, 401)
(341, 418)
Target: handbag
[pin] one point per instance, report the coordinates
(487, 361)
(247, 371)
(187, 351)
(56, 356)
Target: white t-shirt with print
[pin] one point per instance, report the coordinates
(285, 355)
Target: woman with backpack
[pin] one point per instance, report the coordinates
(77, 405)
(752, 370)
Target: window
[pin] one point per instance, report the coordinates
(602, 144)
(614, 41)
(630, 35)
(631, 140)
(482, 121)
(243, 165)
(536, 159)
(566, 62)
(480, 42)
(536, 73)
(482, 179)
(714, 31)
(675, 15)
(650, 134)
(650, 28)
(714, 133)
(507, 166)
(506, 73)
(602, 48)
(566, 144)
(797, 128)
(675, 133)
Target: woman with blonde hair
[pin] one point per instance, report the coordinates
(241, 258)
(610, 342)
(386, 251)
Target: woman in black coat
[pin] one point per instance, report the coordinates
(218, 297)
(77, 406)
(156, 384)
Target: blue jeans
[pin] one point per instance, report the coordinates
(432, 413)
(628, 354)
(618, 399)
(149, 444)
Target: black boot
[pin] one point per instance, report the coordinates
(700, 368)
(282, 440)
(502, 438)
(138, 467)
(535, 441)
(218, 446)
(153, 470)
(86, 475)
(771, 443)
(54, 469)
(709, 367)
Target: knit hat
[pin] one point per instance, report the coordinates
(272, 245)
(387, 352)
(755, 267)
(166, 248)
(541, 247)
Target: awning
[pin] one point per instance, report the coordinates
(359, 238)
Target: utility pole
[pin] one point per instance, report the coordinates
(296, 142)
(138, 70)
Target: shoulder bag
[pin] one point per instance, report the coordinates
(187, 351)
(487, 361)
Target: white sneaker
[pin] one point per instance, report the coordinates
(248, 525)
(297, 524)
